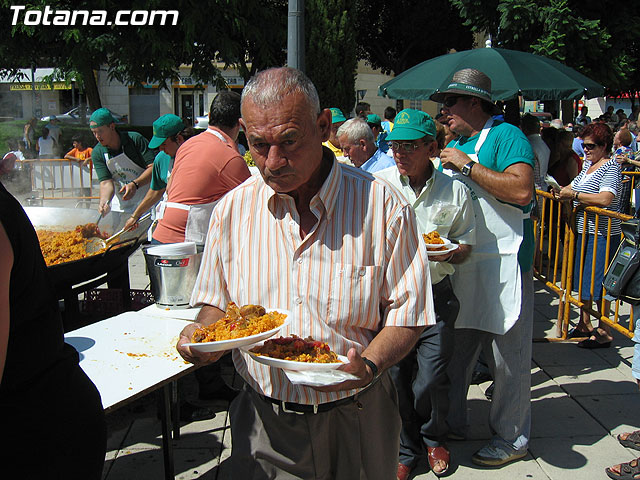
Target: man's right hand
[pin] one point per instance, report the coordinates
(193, 356)
(130, 224)
(104, 208)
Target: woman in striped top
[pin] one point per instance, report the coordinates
(598, 185)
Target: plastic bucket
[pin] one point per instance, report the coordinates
(172, 278)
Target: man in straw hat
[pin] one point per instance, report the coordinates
(495, 284)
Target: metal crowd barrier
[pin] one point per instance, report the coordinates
(62, 179)
(555, 231)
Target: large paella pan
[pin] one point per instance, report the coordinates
(65, 275)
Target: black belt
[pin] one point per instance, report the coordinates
(300, 408)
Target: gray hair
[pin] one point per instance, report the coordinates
(356, 129)
(268, 87)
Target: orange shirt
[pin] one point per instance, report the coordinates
(204, 170)
(81, 154)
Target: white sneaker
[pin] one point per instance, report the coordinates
(492, 455)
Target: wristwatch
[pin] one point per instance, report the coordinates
(374, 369)
(466, 170)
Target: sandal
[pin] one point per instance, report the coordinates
(435, 455)
(628, 471)
(575, 333)
(632, 440)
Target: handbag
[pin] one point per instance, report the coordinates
(622, 278)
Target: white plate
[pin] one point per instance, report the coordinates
(446, 243)
(298, 366)
(436, 253)
(241, 342)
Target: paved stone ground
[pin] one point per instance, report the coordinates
(581, 399)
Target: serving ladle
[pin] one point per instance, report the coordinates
(96, 244)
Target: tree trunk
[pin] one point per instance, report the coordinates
(512, 112)
(566, 107)
(90, 87)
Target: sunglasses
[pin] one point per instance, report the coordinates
(451, 101)
(590, 146)
(407, 147)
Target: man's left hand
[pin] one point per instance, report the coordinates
(357, 367)
(128, 191)
(454, 159)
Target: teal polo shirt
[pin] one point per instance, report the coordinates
(160, 172)
(505, 145)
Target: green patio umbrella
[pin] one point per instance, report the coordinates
(512, 73)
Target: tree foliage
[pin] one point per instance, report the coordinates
(218, 31)
(599, 39)
(331, 51)
(396, 35)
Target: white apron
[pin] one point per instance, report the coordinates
(492, 270)
(124, 170)
(198, 216)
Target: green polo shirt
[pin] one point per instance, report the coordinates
(161, 166)
(132, 144)
(505, 145)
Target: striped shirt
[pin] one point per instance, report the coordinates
(607, 178)
(359, 269)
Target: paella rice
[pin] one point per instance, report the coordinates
(61, 247)
(239, 322)
(296, 349)
(433, 238)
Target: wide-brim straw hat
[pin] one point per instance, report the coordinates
(468, 81)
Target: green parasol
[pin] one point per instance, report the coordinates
(512, 73)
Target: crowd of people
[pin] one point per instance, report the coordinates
(328, 225)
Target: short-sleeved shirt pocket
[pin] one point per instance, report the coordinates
(355, 288)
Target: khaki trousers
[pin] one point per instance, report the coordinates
(358, 440)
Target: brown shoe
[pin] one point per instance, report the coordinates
(403, 472)
(438, 460)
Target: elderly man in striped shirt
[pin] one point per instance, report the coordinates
(337, 248)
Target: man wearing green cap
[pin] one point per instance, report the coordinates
(122, 161)
(333, 144)
(495, 160)
(169, 132)
(444, 205)
(375, 123)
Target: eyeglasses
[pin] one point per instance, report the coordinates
(451, 101)
(590, 146)
(407, 147)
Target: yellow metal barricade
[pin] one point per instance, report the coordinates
(550, 262)
(555, 230)
(601, 215)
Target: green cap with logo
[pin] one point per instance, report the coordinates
(101, 117)
(373, 118)
(412, 124)
(337, 116)
(164, 127)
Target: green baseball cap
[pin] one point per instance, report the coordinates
(337, 116)
(412, 124)
(164, 127)
(373, 118)
(101, 117)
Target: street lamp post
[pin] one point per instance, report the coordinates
(295, 35)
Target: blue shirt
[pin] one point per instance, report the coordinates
(382, 143)
(378, 161)
(577, 147)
